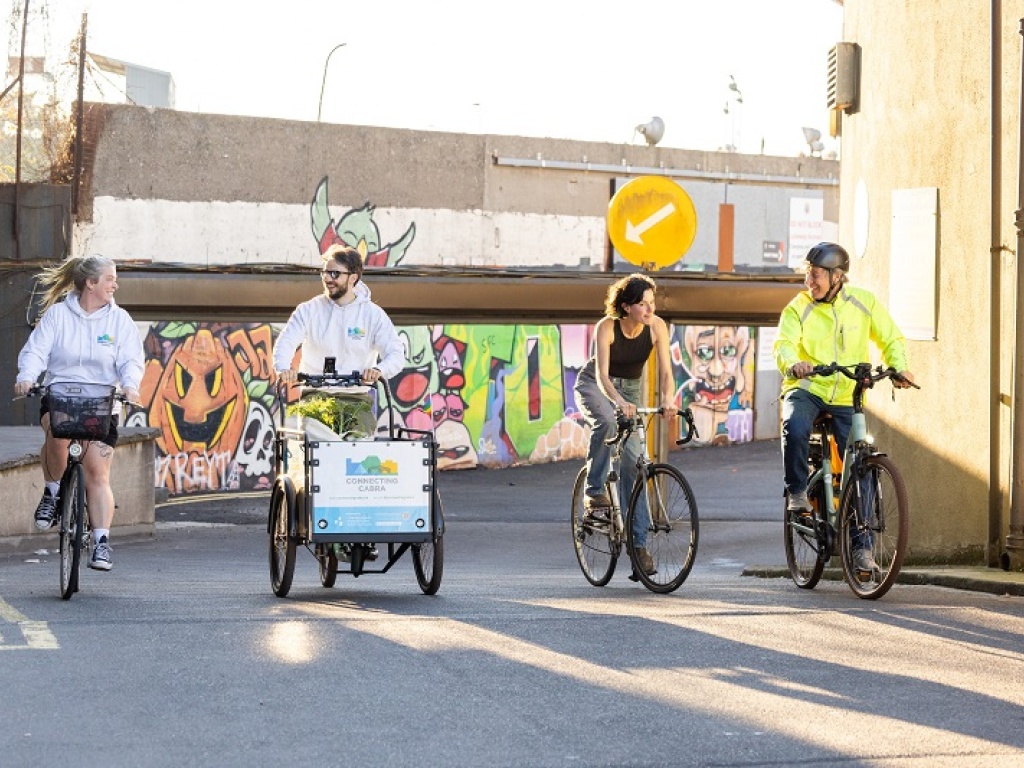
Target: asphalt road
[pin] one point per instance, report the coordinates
(182, 656)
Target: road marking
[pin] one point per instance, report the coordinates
(37, 634)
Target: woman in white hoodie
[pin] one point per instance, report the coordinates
(84, 338)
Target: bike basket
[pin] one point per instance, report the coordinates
(80, 411)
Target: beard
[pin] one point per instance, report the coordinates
(337, 292)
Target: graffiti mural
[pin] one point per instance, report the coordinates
(356, 229)
(714, 369)
(207, 389)
(493, 395)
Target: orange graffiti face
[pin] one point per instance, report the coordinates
(200, 401)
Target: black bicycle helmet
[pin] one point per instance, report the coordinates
(829, 256)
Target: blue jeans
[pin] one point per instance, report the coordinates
(799, 410)
(599, 414)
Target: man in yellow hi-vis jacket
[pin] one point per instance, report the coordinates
(829, 322)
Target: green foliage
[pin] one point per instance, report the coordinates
(346, 417)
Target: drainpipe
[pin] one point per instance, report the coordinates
(993, 545)
(1015, 539)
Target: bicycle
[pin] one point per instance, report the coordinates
(873, 510)
(672, 528)
(79, 413)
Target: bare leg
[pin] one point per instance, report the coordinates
(97, 461)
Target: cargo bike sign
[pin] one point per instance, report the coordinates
(371, 487)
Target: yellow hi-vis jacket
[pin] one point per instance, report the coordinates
(823, 333)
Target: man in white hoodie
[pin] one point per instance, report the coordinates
(344, 324)
(341, 323)
(85, 338)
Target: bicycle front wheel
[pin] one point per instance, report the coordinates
(672, 529)
(596, 542)
(807, 548)
(72, 528)
(874, 518)
(282, 544)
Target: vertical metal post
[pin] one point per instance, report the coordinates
(17, 150)
(1015, 538)
(76, 174)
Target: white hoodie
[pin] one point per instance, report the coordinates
(355, 334)
(69, 345)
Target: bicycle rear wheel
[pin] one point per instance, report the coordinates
(72, 528)
(807, 548)
(596, 543)
(428, 557)
(672, 532)
(875, 516)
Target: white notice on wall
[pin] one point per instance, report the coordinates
(805, 227)
(912, 257)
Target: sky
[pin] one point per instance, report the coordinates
(572, 69)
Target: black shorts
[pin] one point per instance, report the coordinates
(110, 439)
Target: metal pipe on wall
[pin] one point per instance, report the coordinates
(993, 548)
(1015, 538)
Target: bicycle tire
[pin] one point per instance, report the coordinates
(673, 529)
(282, 544)
(327, 557)
(596, 544)
(72, 528)
(886, 519)
(807, 552)
(428, 557)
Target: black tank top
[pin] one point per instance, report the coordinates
(627, 357)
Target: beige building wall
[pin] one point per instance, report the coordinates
(924, 121)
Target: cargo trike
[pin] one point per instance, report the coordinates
(358, 500)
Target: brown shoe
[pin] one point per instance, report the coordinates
(597, 502)
(645, 562)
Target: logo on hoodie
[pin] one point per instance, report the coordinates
(356, 334)
(106, 340)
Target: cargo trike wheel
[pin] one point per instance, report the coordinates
(428, 557)
(328, 559)
(282, 544)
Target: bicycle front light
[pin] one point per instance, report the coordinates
(869, 439)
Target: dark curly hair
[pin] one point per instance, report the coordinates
(626, 292)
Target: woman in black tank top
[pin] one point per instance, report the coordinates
(610, 381)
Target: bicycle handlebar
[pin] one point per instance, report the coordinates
(625, 426)
(862, 373)
(354, 379)
(37, 390)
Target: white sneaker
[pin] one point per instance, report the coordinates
(798, 502)
(101, 559)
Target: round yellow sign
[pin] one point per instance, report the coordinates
(652, 221)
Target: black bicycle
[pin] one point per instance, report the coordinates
(79, 413)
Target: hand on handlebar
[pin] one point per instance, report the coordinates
(904, 380)
(627, 409)
(289, 376)
(801, 370)
(22, 388)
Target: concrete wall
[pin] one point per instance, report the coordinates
(924, 122)
(21, 485)
(168, 186)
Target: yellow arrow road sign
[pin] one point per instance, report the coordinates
(652, 221)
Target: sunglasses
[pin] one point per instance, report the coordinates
(334, 274)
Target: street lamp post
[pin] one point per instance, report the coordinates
(320, 108)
